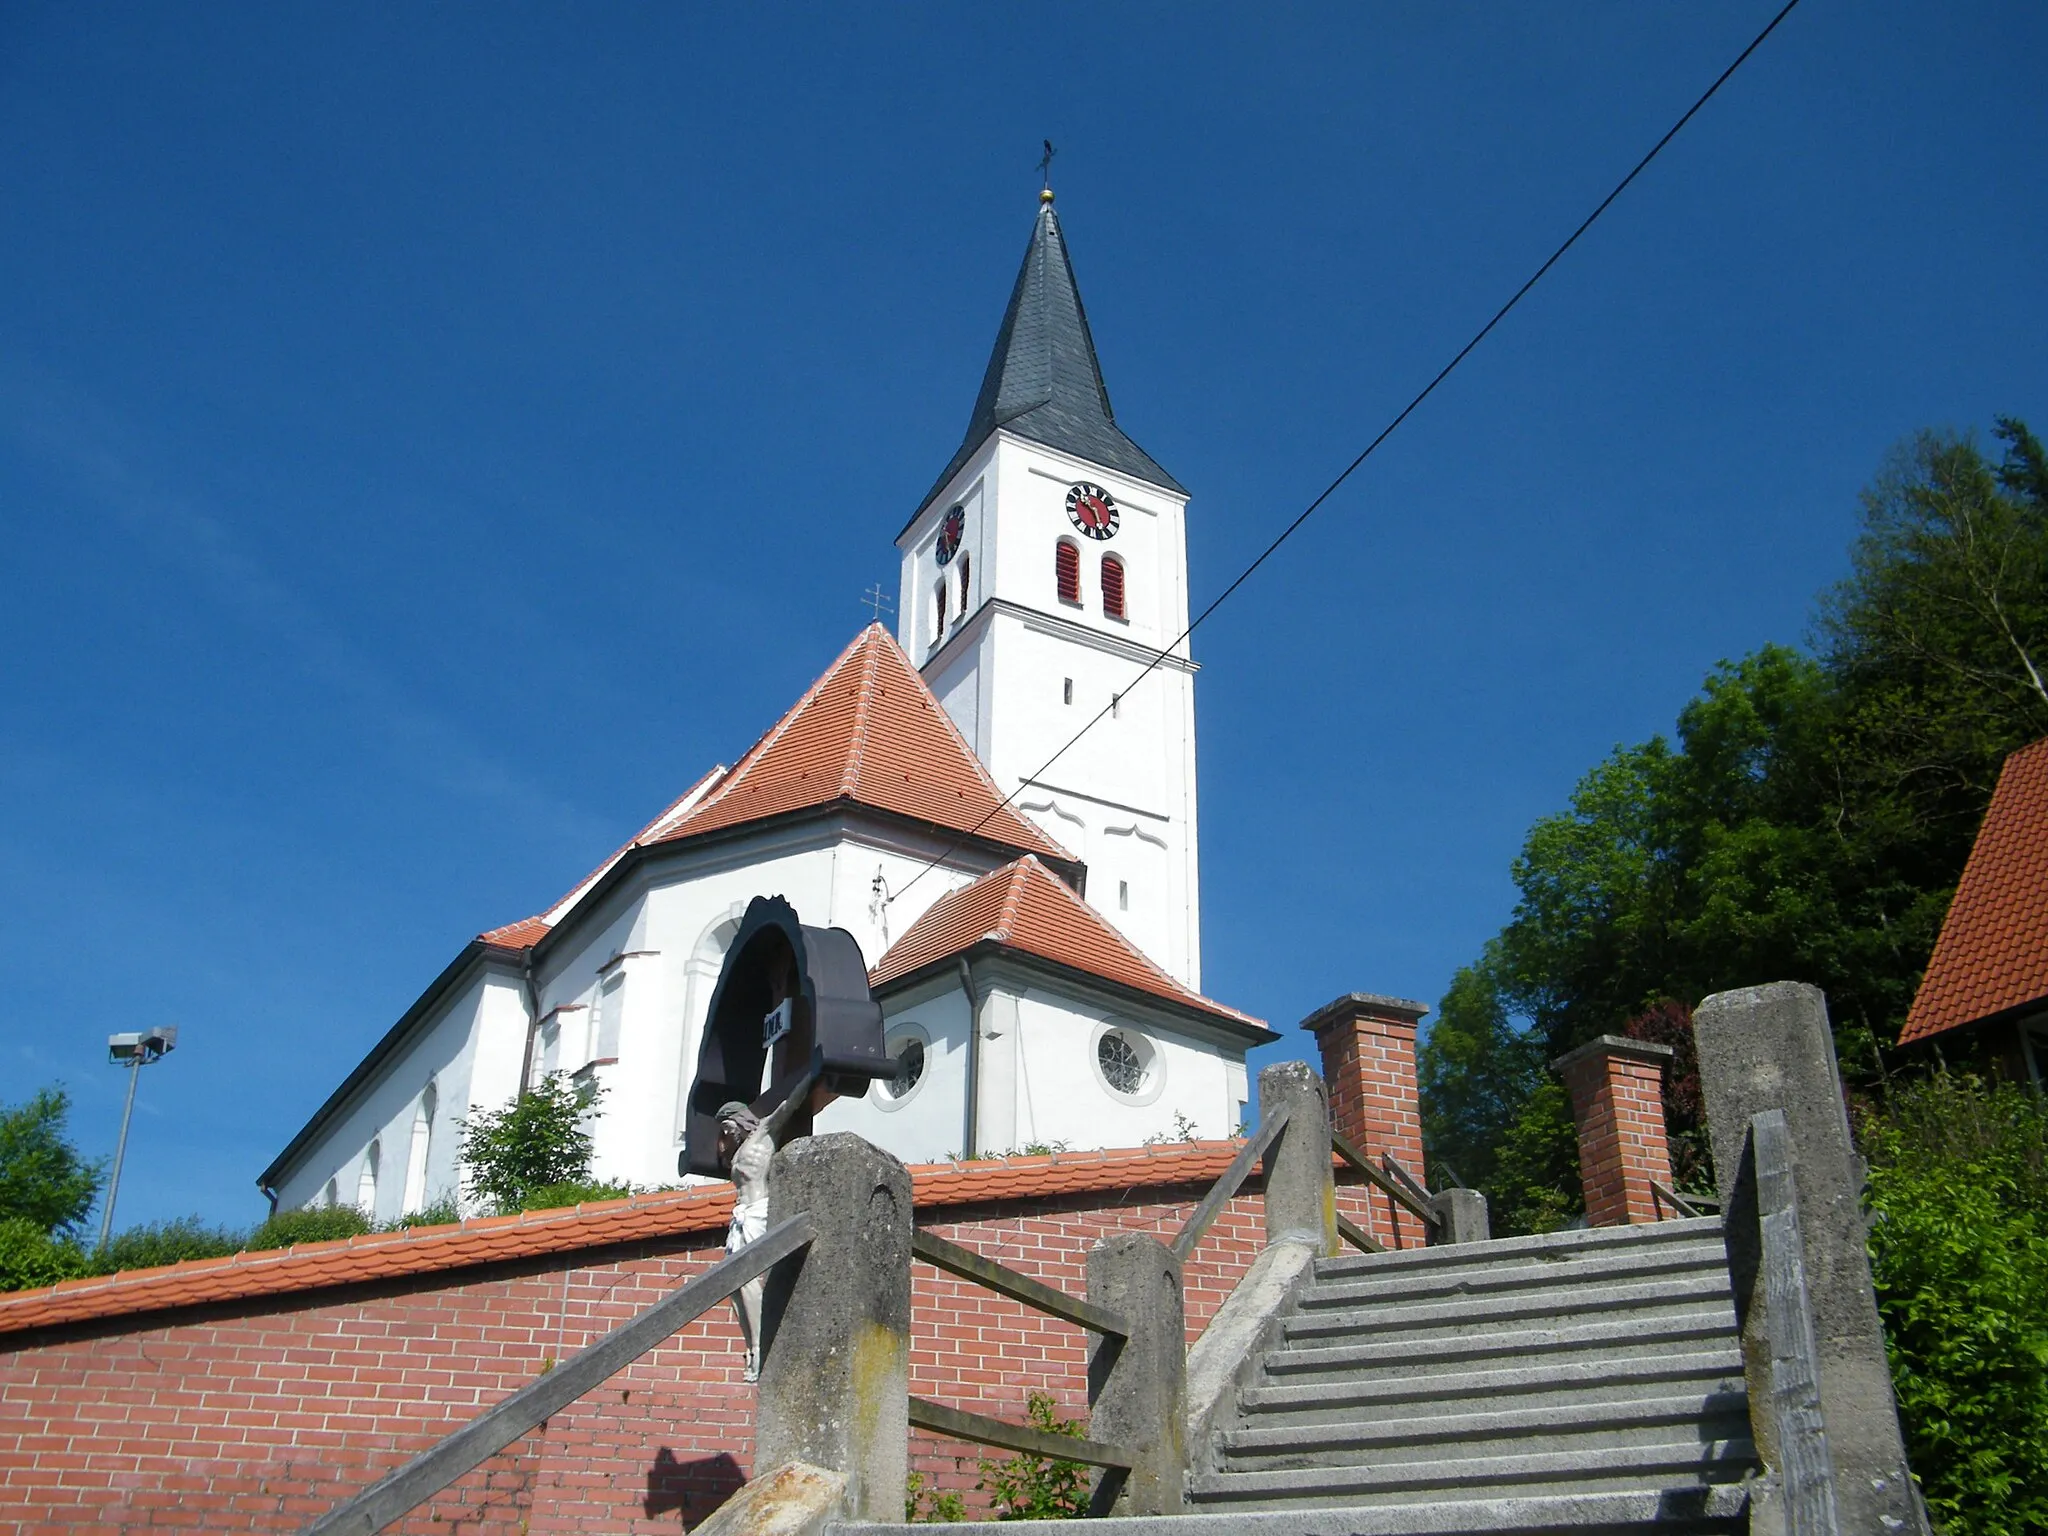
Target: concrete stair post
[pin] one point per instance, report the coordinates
(835, 1355)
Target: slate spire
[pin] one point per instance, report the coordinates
(1044, 381)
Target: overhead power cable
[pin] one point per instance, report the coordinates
(1372, 447)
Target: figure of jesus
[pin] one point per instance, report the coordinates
(746, 1147)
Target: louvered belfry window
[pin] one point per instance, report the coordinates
(1113, 587)
(1068, 566)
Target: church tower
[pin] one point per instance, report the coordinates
(1040, 576)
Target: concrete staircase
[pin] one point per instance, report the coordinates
(1583, 1381)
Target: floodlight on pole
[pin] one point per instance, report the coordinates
(133, 1049)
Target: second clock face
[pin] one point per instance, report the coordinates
(950, 532)
(1093, 510)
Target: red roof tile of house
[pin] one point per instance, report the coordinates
(498, 1239)
(1992, 956)
(1025, 906)
(524, 934)
(870, 731)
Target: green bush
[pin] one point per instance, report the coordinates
(164, 1242)
(538, 1142)
(1038, 1487)
(318, 1224)
(29, 1256)
(442, 1212)
(926, 1505)
(1959, 1251)
(551, 1197)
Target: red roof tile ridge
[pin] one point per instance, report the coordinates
(1175, 987)
(863, 701)
(736, 779)
(1017, 873)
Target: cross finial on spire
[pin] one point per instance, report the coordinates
(1045, 173)
(876, 601)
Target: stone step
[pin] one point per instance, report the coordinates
(1463, 1314)
(1629, 1421)
(1547, 1381)
(1547, 1246)
(1628, 1337)
(1599, 1266)
(1687, 1510)
(1581, 1469)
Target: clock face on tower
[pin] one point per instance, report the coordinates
(949, 534)
(1093, 510)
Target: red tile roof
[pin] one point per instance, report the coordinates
(870, 731)
(1024, 906)
(524, 934)
(1992, 955)
(497, 1239)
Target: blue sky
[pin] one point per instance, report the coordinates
(431, 436)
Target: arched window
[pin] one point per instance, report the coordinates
(939, 594)
(1067, 567)
(1113, 587)
(331, 1197)
(963, 583)
(366, 1183)
(422, 1144)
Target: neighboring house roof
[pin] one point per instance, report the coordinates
(1025, 907)
(1044, 381)
(385, 1256)
(871, 732)
(1992, 956)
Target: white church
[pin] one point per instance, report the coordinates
(1032, 930)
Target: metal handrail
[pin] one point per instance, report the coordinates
(969, 1265)
(983, 1430)
(1227, 1185)
(1357, 1159)
(393, 1497)
(1664, 1194)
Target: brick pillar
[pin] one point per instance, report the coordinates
(1617, 1089)
(1368, 1049)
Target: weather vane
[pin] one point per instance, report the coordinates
(1045, 169)
(876, 601)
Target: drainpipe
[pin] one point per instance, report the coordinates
(526, 990)
(973, 1058)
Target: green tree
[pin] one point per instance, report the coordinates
(536, 1151)
(43, 1180)
(1808, 820)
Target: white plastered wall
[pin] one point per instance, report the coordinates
(1123, 798)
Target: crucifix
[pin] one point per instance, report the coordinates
(1045, 167)
(876, 601)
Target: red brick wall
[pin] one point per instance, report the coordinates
(1369, 1062)
(1618, 1105)
(257, 1416)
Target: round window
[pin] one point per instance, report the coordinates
(1121, 1065)
(909, 1069)
(910, 1052)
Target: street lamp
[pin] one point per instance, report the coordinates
(135, 1049)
